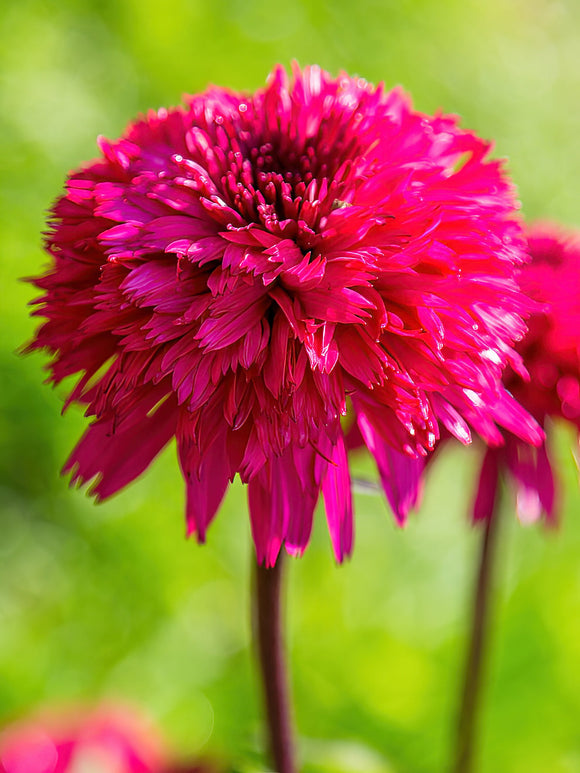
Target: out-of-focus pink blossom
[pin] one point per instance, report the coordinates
(238, 271)
(111, 740)
(551, 354)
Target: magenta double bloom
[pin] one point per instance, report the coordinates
(244, 272)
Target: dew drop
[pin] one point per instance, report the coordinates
(242, 107)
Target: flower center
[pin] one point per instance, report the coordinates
(287, 196)
(285, 184)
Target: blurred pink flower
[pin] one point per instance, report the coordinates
(238, 271)
(115, 740)
(551, 354)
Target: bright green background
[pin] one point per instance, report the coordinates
(111, 600)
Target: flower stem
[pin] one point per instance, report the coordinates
(472, 679)
(272, 659)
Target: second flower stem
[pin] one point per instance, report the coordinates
(472, 680)
(272, 657)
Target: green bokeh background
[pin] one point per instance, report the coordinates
(111, 600)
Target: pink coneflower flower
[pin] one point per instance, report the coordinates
(111, 739)
(238, 271)
(551, 354)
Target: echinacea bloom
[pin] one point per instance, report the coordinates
(551, 354)
(240, 272)
(111, 739)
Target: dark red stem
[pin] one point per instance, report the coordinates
(272, 658)
(474, 666)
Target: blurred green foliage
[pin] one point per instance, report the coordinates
(112, 600)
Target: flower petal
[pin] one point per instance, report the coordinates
(487, 487)
(117, 458)
(338, 500)
(206, 478)
(401, 475)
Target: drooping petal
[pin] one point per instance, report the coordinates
(532, 472)
(401, 474)
(305, 495)
(546, 482)
(487, 486)
(269, 511)
(338, 500)
(117, 458)
(206, 476)
(282, 498)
